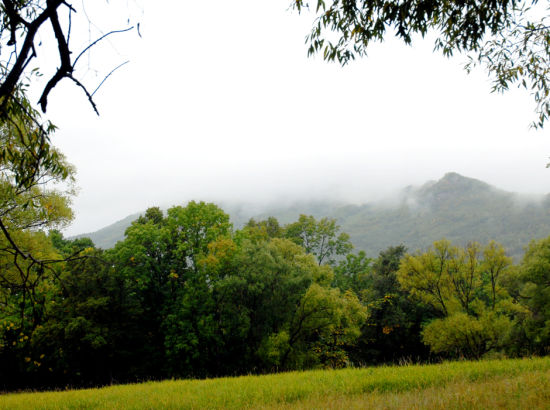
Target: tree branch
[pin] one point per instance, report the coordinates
(98, 40)
(65, 69)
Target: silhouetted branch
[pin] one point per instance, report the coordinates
(108, 75)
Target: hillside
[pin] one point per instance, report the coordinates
(455, 207)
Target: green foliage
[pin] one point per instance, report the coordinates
(510, 39)
(469, 336)
(164, 258)
(319, 238)
(29, 170)
(324, 323)
(533, 282)
(31, 201)
(268, 228)
(264, 286)
(195, 226)
(90, 325)
(519, 54)
(392, 332)
(357, 23)
(185, 296)
(69, 247)
(465, 289)
(354, 273)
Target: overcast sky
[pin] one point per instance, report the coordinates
(220, 101)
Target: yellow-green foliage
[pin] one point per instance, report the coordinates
(485, 384)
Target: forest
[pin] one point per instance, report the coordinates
(185, 295)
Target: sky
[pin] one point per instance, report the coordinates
(219, 101)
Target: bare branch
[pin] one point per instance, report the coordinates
(108, 75)
(98, 40)
(90, 96)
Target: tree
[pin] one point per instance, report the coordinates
(166, 258)
(268, 228)
(28, 198)
(354, 273)
(319, 238)
(91, 332)
(266, 281)
(392, 332)
(195, 226)
(507, 37)
(323, 325)
(534, 291)
(22, 23)
(31, 201)
(464, 286)
(28, 160)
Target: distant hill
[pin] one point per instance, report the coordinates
(107, 237)
(458, 208)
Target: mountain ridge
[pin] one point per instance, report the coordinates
(460, 208)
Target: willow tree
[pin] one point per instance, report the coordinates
(510, 38)
(465, 286)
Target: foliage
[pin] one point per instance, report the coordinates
(319, 238)
(324, 324)
(354, 273)
(533, 283)
(519, 54)
(392, 332)
(29, 170)
(35, 190)
(186, 296)
(465, 335)
(465, 290)
(506, 37)
(268, 228)
(91, 332)
(30, 167)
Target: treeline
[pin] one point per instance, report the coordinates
(186, 295)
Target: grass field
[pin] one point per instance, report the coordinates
(462, 385)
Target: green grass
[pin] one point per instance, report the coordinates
(498, 384)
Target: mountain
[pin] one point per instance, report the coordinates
(458, 208)
(107, 237)
(455, 207)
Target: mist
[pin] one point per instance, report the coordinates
(243, 117)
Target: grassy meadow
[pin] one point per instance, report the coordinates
(522, 383)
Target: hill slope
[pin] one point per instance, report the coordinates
(455, 207)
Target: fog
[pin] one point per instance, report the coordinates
(219, 102)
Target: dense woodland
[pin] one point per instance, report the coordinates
(186, 295)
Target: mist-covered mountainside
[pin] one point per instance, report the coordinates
(458, 208)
